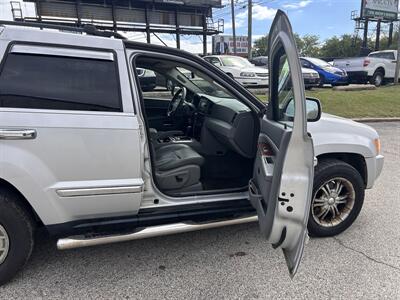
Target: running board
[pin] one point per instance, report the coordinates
(148, 232)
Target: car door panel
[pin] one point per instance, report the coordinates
(281, 186)
(79, 164)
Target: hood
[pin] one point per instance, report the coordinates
(253, 69)
(331, 124)
(333, 70)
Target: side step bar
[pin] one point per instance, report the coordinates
(148, 232)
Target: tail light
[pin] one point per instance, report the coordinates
(366, 62)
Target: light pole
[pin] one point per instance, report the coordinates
(233, 25)
(396, 73)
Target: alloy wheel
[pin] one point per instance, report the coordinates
(333, 202)
(4, 244)
(378, 80)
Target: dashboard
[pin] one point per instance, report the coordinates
(229, 122)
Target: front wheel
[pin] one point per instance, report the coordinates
(377, 79)
(16, 236)
(338, 196)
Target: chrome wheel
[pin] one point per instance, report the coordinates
(333, 202)
(4, 244)
(378, 80)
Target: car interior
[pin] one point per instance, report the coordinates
(202, 139)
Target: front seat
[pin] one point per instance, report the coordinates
(177, 168)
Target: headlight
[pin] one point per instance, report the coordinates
(247, 74)
(377, 143)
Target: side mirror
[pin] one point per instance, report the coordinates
(313, 106)
(314, 109)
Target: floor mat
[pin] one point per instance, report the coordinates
(224, 172)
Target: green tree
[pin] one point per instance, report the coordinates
(385, 40)
(260, 47)
(343, 46)
(307, 45)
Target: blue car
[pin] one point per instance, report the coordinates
(327, 73)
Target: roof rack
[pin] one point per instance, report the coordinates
(86, 28)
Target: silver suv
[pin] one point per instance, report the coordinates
(92, 158)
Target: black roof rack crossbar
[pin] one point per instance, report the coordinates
(86, 28)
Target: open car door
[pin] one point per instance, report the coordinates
(281, 186)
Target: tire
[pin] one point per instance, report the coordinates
(230, 75)
(332, 172)
(16, 222)
(377, 79)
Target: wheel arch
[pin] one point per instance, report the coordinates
(380, 69)
(22, 200)
(357, 161)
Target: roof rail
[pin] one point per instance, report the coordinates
(86, 28)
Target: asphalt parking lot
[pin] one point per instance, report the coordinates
(234, 262)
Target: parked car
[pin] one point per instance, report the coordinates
(376, 68)
(147, 79)
(83, 160)
(240, 69)
(168, 83)
(328, 74)
(311, 77)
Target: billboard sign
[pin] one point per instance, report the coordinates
(380, 9)
(223, 44)
(201, 3)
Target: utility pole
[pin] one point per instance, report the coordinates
(233, 25)
(396, 73)
(378, 35)
(249, 24)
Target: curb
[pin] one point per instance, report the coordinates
(371, 120)
(354, 88)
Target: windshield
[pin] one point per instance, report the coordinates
(200, 83)
(235, 61)
(319, 62)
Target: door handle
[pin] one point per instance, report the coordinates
(17, 134)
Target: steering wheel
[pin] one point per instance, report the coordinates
(177, 101)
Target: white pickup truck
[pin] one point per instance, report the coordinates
(377, 68)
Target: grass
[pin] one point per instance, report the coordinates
(382, 102)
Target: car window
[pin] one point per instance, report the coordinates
(305, 64)
(389, 55)
(235, 61)
(181, 75)
(282, 89)
(62, 83)
(214, 60)
(319, 62)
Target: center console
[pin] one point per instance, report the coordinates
(178, 139)
(175, 139)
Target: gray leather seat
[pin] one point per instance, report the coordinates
(173, 156)
(178, 167)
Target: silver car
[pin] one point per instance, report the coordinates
(88, 156)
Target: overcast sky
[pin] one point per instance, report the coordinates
(324, 18)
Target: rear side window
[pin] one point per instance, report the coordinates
(62, 83)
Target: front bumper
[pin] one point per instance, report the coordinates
(253, 81)
(311, 82)
(374, 168)
(339, 80)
